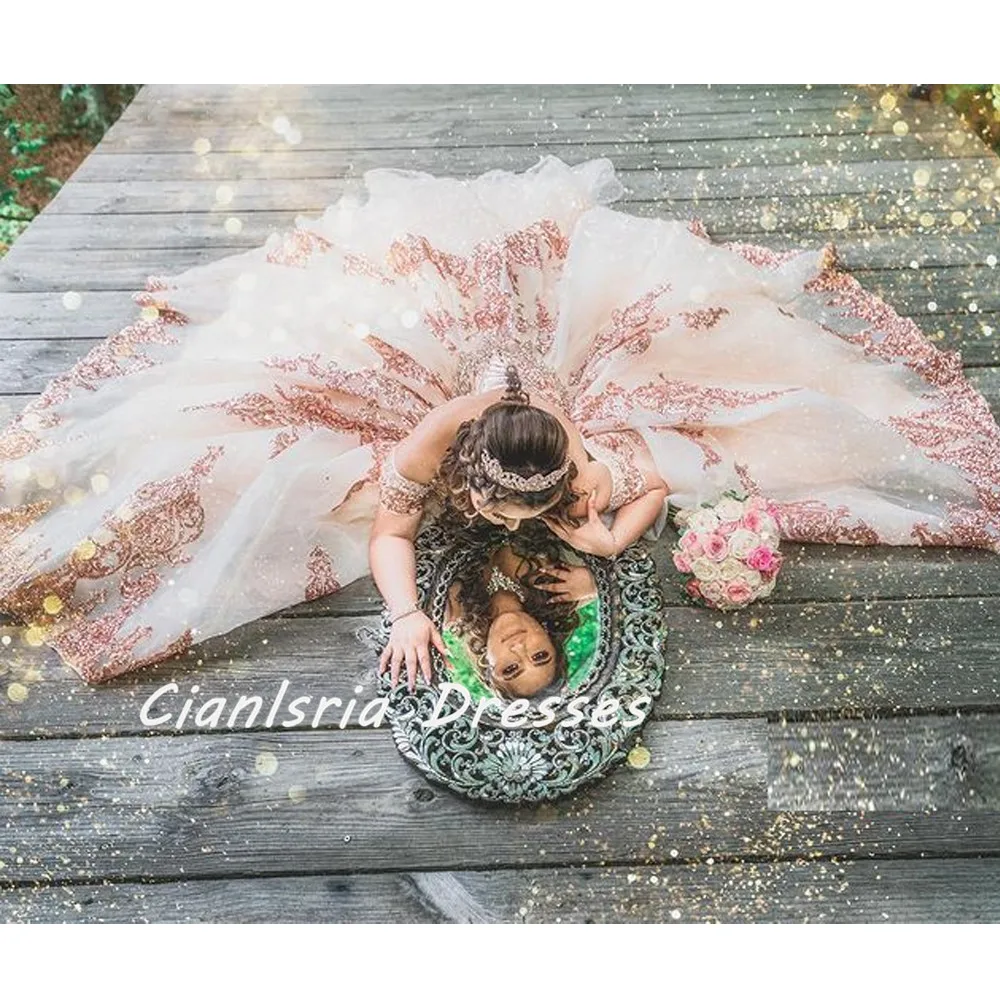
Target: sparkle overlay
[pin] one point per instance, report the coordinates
(431, 319)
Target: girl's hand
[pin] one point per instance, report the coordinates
(410, 640)
(573, 583)
(592, 536)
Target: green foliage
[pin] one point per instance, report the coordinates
(87, 109)
(13, 217)
(24, 138)
(91, 108)
(953, 91)
(979, 105)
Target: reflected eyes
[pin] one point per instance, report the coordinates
(513, 669)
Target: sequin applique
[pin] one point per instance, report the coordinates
(397, 493)
(478, 367)
(627, 481)
(322, 578)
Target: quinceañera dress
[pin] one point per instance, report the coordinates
(220, 458)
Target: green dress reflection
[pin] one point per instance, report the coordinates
(580, 648)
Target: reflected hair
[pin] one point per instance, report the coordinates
(539, 548)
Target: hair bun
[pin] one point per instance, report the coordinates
(515, 392)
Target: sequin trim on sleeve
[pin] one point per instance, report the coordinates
(627, 481)
(397, 493)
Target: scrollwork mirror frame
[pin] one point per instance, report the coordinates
(542, 759)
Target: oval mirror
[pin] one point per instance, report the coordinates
(555, 658)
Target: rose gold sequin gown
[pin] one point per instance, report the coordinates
(218, 459)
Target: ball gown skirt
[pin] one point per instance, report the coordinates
(218, 459)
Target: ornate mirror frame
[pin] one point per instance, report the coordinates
(548, 754)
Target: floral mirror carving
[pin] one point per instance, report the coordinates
(547, 683)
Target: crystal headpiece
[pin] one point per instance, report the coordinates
(529, 484)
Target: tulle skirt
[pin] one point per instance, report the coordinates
(217, 460)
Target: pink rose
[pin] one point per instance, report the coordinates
(682, 562)
(693, 588)
(738, 591)
(691, 544)
(752, 520)
(764, 559)
(727, 527)
(716, 547)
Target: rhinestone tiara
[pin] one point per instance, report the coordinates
(529, 484)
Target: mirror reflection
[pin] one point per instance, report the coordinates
(522, 621)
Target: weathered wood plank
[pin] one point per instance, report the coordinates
(824, 172)
(315, 194)
(315, 899)
(795, 658)
(950, 763)
(701, 141)
(308, 802)
(165, 195)
(955, 890)
(373, 99)
(661, 109)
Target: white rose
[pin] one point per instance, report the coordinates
(729, 509)
(751, 576)
(730, 568)
(703, 520)
(741, 542)
(714, 590)
(769, 535)
(705, 569)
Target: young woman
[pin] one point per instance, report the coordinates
(234, 450)
(521, 622)
(496, 456)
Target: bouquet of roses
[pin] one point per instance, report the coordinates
(730, 550)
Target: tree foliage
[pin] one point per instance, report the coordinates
(85, 109)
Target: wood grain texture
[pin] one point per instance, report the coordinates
(645, 173)
(933, 890)
(828, 755)
(804, 658)
(703, 141)
(310, 802)
(863, 245)
(950, 763)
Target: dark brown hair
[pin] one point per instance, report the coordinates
(523, 439)
(539, 548)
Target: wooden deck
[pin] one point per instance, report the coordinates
(833, 754)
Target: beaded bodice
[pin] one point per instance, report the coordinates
(483, 367)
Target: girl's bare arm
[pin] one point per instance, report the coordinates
(391, 554)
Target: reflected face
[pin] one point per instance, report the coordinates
(520, 654)
(509, 513)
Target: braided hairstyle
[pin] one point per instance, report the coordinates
(523, 439)
(535, 543)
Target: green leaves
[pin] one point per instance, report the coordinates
(89, 107)
(24, 138)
